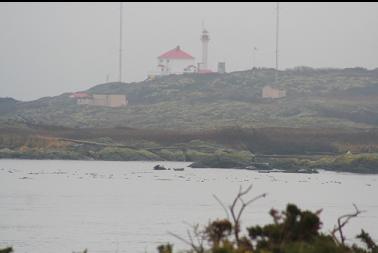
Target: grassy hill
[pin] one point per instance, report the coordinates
(315, 98)
(292, 149)
(7, 105)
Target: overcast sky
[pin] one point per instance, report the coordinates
(50, 48)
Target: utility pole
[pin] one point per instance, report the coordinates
(277, 31)
(254, 59)
(120, 42)
(277, 35)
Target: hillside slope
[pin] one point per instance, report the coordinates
(315, 98)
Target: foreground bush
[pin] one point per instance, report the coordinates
(292, 231)
(6, 250)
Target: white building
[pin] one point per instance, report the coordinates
(205, 38)
(270, 92)
(175, 61)
(113, 100)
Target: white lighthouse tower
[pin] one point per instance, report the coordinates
(205, 45)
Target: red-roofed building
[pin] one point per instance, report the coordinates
(82, 98)
(80, 95)
(176, 53)
(205, 71)
(176, 61)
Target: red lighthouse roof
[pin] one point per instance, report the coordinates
(176, 53)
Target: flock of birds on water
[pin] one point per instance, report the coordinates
(168, 175)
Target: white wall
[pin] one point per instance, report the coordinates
(177, 66)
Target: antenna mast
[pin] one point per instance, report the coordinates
(120, 42)
(277, 32)
(254, 59)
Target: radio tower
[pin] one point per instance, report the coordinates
(277, 31)
(120, 42)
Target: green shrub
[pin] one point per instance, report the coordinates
(292, 231)
(125, 154)
(171, 155)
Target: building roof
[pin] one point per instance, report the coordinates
(205, 71)
(80, 95)
(176, 53)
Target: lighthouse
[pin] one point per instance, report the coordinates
(175, 61)
(205, 44)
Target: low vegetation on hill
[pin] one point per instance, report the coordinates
(315, 98)
(7, 105)
(361, 163)
(215, 120)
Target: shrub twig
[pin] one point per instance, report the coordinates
(341, 222)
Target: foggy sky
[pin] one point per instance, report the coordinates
(50, 48)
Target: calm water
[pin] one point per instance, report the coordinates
(65, 206)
